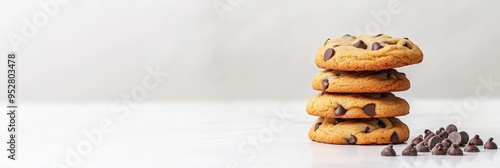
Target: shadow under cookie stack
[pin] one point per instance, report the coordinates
(356, 105)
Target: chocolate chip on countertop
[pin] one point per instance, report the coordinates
(326, 84)
(377, 46)
(360, 44)
(440, 130)
(490, 144)
(388, 151)
(464, 137)
(422, 147)
(429, 136)
(394, 138)
(471, 147)
(446, 143)
(455, 150)
(328, 54)
(476, 140)
(410, 150)
(326, 41)
(418, 139)
(317, 126)
(369, 109)
(428, 133)
(434, 141)
(438, 150)
(340, 110)
(443, 134)
(451, 128)
(352, 139)
(455, 138)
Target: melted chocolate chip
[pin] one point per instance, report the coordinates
(340, 110)
(377, 46)
(325, 85)
(455, 138)
(360, 44)
(394, 138)
(464, 137)
(326, 41)
(476, 140)
(422, 147)
(410, 150)
(367, 130)
(471, 147)
(451, 128)
(388, 151)
(328, 54)
(490, 144)
(438, 150)
(352, 139)
(381, 124)
(369, 109)
(317, 126)
(434, 141)
(418, 139)
(455, 150)
(337, 120)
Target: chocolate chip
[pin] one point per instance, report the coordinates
(347, 35)
(446, 143)
(443, 134)
(451, 128)
(388, 151)
(490, 144)
(360, 44)
(455, 138)
(328, 54)
(337, 120)
(422, 147)
(406, 38)
(434, 141)
(455, 150)
(378, 35)
(428, 132)
(410, 150)
(381, 124)
(326, 41)
(317, 126)
(377, 46)
(326, 84)
(352, 139)
(407, 45)
(476, 140)
(335, 45)
(418, 139)
(428, 136)
(440, 130)
(383, 75)
(464, 138)
(367, 130)
(369, 109)
(438, 150)
(340, 110)
(394, 138)
(471, 147)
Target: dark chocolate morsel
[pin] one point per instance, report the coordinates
(476, 140)
(471, 147)
(317, 126)
(378, 35)
(427, 133)
(367, 130)
(434, 141)
(406, 38)
(490, 144)
(443, 134)
(388, 151)
(381, 124)
(418, 139)
(340, 110)
(454, 150)
(455, 138)
(410, 150)
(451, 128)
(326, 84)
(337, 120)
(326, 41)
(429, 136)
(360, 44)
(377, 46)
(446, 143)
(394, 138)
(369, 109)
(422, 147)
(438, 150)
(352, 139)
(464, 138)
(328, 54)
(407, 45)
(440, 130)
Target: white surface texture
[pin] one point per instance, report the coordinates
(215, 134)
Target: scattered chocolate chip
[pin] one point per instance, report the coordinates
(378, 35)
(352, 139)
(328, 54)
(476, 140)
(326, 84)
(455, 138)
(326, 41)
(464, 138)
(429, 136)
(490, 144)
(451, 128)
(388, 151)
(377, 46)
(369, 109)
(455, 150)
(418, 139)
(394, 138)
(422, 147)
(434, 141)
(317, 126)
(439, 131)
(367, 130)
(443, 134)
(446, 143)
(337, 120)
(340, 110)
(381, 124)
(438, 150)
(410, 150)
(360, 44)
(471, 147)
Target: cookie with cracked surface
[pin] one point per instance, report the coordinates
(334, 81)
(360, 105)
(359, 131)
(367, 53)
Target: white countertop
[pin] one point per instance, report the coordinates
(218, 134)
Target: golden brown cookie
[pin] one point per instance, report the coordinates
(363, 105)
(360, 81)
(359, 131)
(367, 53)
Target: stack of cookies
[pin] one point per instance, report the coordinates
(356, 105)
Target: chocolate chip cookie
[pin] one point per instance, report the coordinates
(367, 53)
(359, 131)
(365, 105)
(360, 81)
